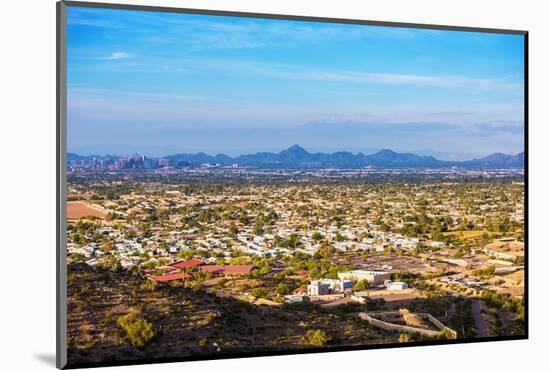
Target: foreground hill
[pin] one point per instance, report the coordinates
(188, 321)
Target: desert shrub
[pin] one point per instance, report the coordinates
(138, 330)
(259, 292)
(404, 338)
(315, 338)
(148, 285)
(485, 273)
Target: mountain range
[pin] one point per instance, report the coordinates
(298, 157)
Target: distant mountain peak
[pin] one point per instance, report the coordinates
(495, 156)
(500, 160)
(385, 154)
(295, 149)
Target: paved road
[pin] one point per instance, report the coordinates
(481, 324)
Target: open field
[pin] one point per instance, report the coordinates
(465, 234)
(392, 296)
(77, 210)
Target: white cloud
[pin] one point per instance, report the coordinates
(117, 55)
(185, 109)
(167, 97)
(209, 34)
(444, 81)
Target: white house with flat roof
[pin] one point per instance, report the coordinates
(317, 287)
(396, 285)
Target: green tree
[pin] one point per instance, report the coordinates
(233, 230)
(325, 251)
(79, 239)
(361, 285)
(340, 238)
(110, 262)
(258, 228)
(317, 236)
(284, 288)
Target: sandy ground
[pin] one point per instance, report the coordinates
(80, 209)
(395, 295)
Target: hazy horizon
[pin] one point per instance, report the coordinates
(162, 83)
(438, 155)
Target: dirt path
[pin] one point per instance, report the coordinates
(481, 324)
(336, 302)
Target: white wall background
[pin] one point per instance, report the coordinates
(27, 197)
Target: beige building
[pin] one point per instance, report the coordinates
(373, 277)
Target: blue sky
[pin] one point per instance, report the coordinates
(160, 83)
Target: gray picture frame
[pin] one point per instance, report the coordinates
(61, 176)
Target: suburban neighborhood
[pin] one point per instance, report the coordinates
(450, 253)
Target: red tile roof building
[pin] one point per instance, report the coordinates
(212, 269)
(238, 269)
(170, 277)
(180, 265)
(227, 270)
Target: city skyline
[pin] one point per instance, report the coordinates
(166, 83)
